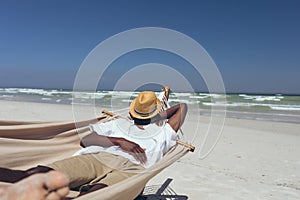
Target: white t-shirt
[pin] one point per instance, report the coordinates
(156, 140)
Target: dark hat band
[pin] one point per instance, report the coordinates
(146, 114)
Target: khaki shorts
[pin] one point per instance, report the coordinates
(89, 169)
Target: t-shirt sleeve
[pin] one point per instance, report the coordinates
(102, 128)
(170, 135)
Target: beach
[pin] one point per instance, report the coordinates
(253, 159)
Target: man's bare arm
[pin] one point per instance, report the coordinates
(132, 148)
(175, 116)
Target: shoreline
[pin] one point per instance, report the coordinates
(230, 114)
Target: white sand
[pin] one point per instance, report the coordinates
(252, 160)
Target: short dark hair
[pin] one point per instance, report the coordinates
(140, 121)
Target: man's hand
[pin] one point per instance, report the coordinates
(166, 89)
(134, 149)
(99, 140)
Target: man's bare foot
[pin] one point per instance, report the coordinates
(46, 186)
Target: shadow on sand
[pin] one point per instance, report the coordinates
(160, 192)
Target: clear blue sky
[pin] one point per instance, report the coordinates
(255, 43)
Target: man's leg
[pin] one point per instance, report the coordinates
(52, 185)
(81, 169)
(121, 169)
(12, 176)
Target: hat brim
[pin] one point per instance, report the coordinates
(138, 116)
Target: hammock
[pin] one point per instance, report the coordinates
(27, 144)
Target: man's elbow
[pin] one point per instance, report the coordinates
(183, 108)
(83, 141)
(82, 144)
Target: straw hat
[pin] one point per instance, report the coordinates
(145, 106)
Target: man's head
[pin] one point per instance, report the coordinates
(145, 107)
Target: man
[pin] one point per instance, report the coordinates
(121, 148)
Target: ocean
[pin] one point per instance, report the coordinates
(270, 107)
